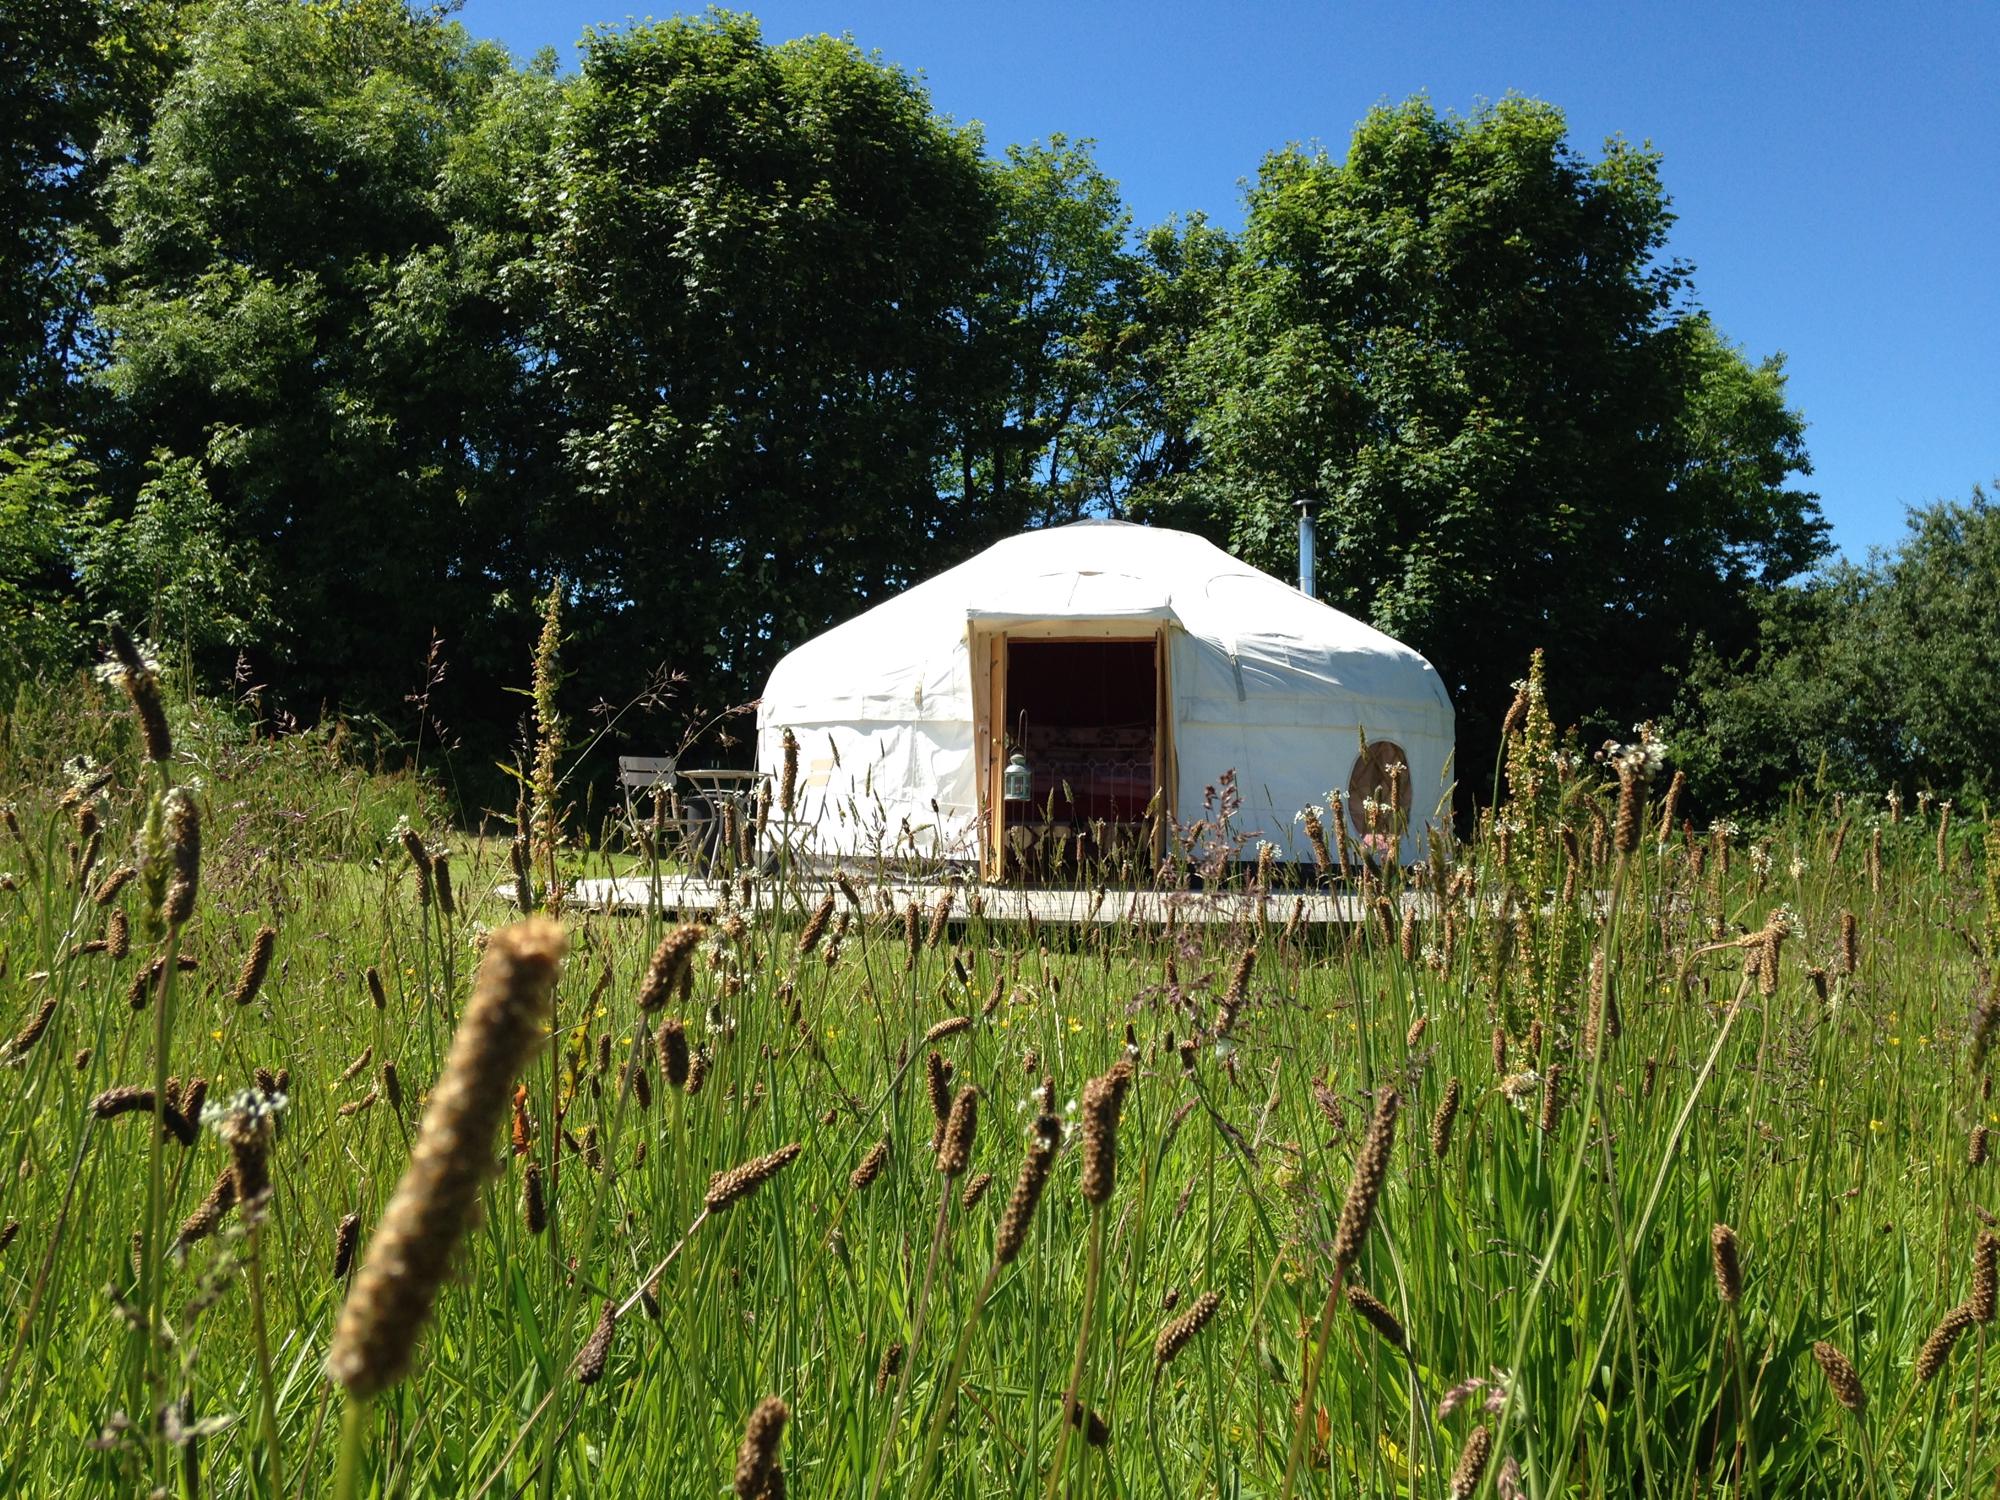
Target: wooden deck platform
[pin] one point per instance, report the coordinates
(689, 896)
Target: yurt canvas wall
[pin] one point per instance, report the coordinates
(902, 714)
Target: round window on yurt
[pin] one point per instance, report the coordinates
(1378, 790)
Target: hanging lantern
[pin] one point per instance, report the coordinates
(1017, 782)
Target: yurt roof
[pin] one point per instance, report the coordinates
(1098, 571)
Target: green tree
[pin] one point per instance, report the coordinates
(67, 560)
(315, 295)
(172, 568)
(1050, 436)
(1884, 674)
(1178, 275)
(762, 264)
(1464, 345)
(77, 81)
(46, 506)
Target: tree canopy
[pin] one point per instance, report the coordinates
(761, 266)
(1866, 677)
(335, 330)
(312, 293)
(1464, 346)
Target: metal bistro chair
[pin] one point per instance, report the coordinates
(647, 776)
(713, 787)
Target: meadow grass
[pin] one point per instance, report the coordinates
(1780, 1038)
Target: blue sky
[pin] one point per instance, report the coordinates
(1835, 168)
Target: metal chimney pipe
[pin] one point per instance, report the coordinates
(1306, 540)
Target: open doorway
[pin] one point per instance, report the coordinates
(1086, 716)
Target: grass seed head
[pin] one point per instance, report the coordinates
(788, 780)
(1103, 1097)
(1443, 1119)
(1376, 1314)
(1670, 809)
(31, 1033)
(1841, 1377)
(639, 1079)
(109, 888)
(672, 968)
(671, 1042)
(208, 1214)
(870, 1166)
(757, 1458)
(247, 1124)
(420, 861)
(129, 1098)
(1096, 1431)
(816, 924)
(1601, 1022)
(1728, 1268)
(937, 1084)
(1034, 1176)
(975, 1189)
(522, 858)
(1985, 1024)
(1472, 1459)
(136, 675)
(1239, 979)
(596, 1351)
(183, 822)
(503, 1024)
(1316, 837)
(1551, 1098)
(345, 1237)
(1937, 1348)
(738, 1183)
(534, 1202)
(1178, 1334)
(1371, 1171)
(955, 1146)
(1631, 796)
(255, 966)
(1985, 1250)
(886, 1371)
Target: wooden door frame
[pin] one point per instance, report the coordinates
(986, 650)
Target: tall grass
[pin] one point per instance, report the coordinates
(1556, 1289)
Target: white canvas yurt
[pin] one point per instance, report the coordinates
(1117, 662)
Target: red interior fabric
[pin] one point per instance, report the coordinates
(1084, 714)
